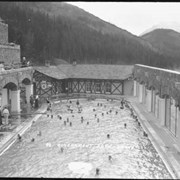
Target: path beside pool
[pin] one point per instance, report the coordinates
(164, 142)
(10, 137)
(160, 137)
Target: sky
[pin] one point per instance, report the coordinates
(135, 17)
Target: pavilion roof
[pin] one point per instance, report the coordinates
(51, 71)
(88, 71)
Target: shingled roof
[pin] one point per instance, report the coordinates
(90, 71)
(51, 71)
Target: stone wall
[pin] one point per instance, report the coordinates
(128, 87)
(9, 54)
(3, 33)
(163, 80)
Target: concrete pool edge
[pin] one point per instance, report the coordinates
(22, 129)
(12, 137)
(156, 141)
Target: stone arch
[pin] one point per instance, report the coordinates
(137, 79)
(152, 87)
(8, 91)
(157, 92)
(26, 81)
(11, 81)
(165, 91)
(25, 77)
(175, 94)
(142, 82)
(145, 83)
(11, 86)
(166, 96)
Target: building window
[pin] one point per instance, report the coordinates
(98, 87)
(108, 87)
(88, 86)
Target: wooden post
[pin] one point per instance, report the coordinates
(122, 86)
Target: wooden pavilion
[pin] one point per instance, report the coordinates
(83, 78)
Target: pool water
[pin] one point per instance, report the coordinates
(85, 146)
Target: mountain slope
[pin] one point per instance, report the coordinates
(49, 30)
(166, 40)
(164, 25)
(55, 9)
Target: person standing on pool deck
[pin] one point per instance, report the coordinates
(49, 110)
(77, 102)
(19, 137)
(97, 171)
(6, 115)
(31, 101)
(47, 101)
(37, 101)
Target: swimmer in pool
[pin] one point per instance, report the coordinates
(77, 102)
(125, 125)
(62, 149)
(110, 158)
(19, 137)
(39, 134)
(145, 134)
(97, 171)
(59, 117)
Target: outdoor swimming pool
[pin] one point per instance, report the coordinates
(85, 146)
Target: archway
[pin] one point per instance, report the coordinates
(26, 90)
(171, 117)
(6, 95)
(149, 97)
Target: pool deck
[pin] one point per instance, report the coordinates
(10, 137)
(161, 138)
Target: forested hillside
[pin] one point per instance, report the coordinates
(43, 35)
(166, 40)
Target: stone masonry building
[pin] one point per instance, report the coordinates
(9, 52)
